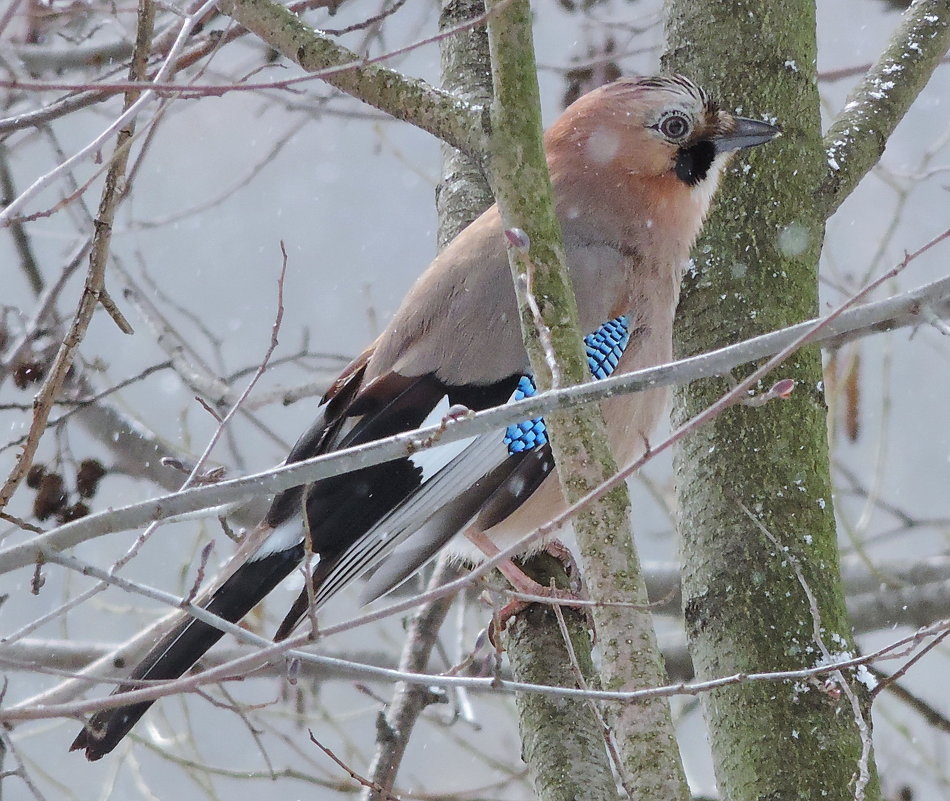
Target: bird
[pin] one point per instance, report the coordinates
(634, 165)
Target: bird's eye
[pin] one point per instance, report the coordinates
(674, 126)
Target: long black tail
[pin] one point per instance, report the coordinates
(184, 645)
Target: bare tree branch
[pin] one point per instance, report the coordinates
(857, 138)
(94, 291)
(394, 728)
(409, 99)
(239, 668)
(905, 309)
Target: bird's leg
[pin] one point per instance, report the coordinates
(523, 583)
(562, 553)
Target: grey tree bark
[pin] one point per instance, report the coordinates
(761, 584)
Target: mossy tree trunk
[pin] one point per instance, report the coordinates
(647, 757)
(754, 491)
(562, 742)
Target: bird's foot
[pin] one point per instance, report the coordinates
(565, 556)
(530, 593)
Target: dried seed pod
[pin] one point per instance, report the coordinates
(50, 497)
(74, 512)
(88, 476)
(35, 475)
(26, 373)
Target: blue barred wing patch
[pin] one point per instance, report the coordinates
(529, 433)
(604, 348)
(606, 345)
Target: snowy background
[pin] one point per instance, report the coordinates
(350, 193)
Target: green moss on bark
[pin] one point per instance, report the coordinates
(756, 270)
(649, 760)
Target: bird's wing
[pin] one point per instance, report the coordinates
(353, 521)
(393, 517)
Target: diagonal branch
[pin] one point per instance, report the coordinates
(857, 138)
(94, 290)
(911, 308)
(649, 759)
(409, 99)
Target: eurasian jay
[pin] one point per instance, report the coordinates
(634, 165)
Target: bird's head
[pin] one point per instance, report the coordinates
(661, 126)
(648, 152)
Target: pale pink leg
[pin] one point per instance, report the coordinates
(563, 554)
(519, 580)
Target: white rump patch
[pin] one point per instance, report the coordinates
(285, 535)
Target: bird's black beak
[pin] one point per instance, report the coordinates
(747, 133)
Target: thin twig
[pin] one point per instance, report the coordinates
(376, 788)
(121, 122)
(863, 775)
(95, 278)
(238, 669)
(608, 735)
